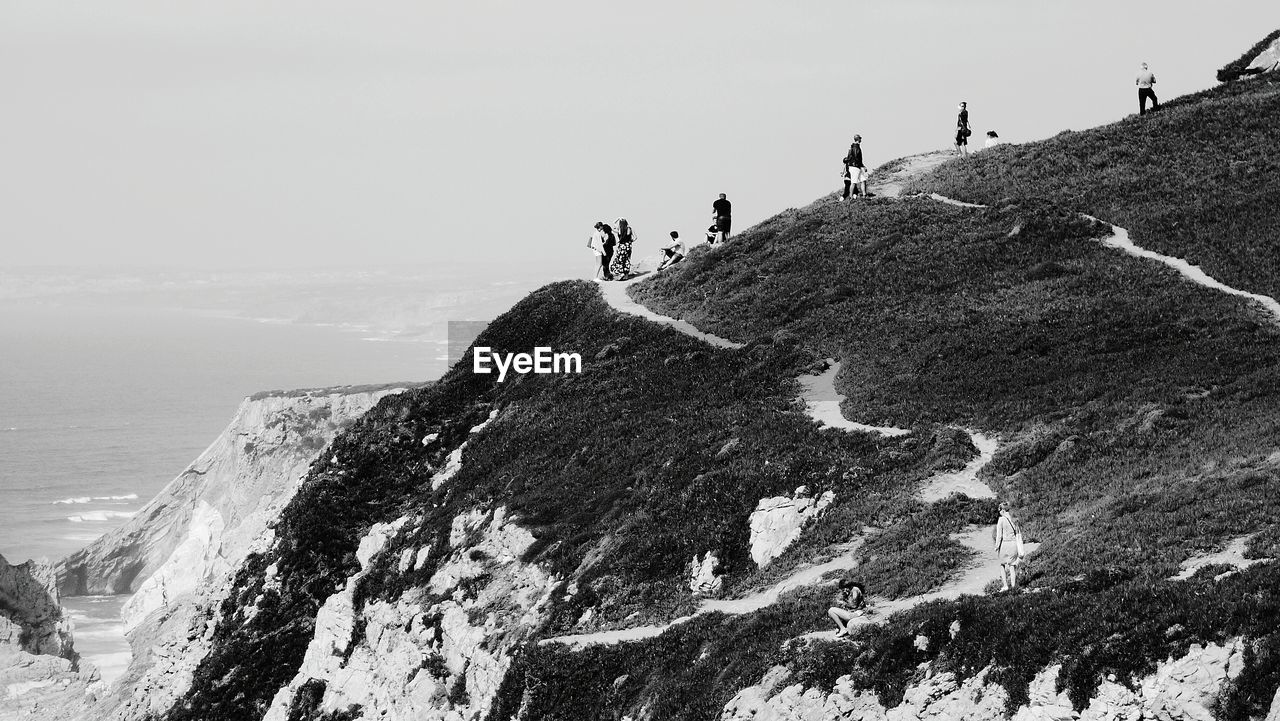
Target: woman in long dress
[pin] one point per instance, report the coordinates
(622, 254)
(1008, 545)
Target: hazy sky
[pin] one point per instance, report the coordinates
(266, 134)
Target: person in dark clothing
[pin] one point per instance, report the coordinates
(606, 241)
(855, 173)
(722, 211)
(1145, 80)
(712, 232)
(962, 130)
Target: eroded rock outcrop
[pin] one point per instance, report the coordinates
(1181, 688)
(239, 483)
(31, 618)
(436, 652)
(777, 522)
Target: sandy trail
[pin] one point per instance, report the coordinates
(972, 582)
(890, 184)
(805, 576)
(615, 293)
(964, 480)
(822, 402)
(1232, 555)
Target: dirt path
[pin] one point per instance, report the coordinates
(822, 403)
(984, 569)
(1232, 555)
(615, 293)
(964, 480)
(805, 576)
(890, 184)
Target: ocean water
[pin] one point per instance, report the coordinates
(101, 406)
(111, 384)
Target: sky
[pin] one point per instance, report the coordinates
(262, 134)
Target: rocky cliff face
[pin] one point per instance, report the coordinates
(30, 618)
(178, 553)
(203, 520)
(1182, 688)
(38, 667)
(436, 652)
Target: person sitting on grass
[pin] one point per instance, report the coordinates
(713, 234)
(851, 599)
(674, 251)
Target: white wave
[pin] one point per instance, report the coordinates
(92, 499)
(99, 516)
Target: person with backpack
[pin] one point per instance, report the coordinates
(855, 173)
(1007, 537)
(601, 243)
(1145, 80)
(850, 601)
(962, 129)
(625, 236)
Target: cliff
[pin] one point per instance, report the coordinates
(1104, 331)
(199, 525)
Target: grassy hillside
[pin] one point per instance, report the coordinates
(629, 463)
(1137, 413)
(1200, 179)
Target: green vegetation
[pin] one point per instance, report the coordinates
(1200, 179)
(1103, 625)
(1137, 415)
(1234, 69)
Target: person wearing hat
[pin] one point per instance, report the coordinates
(855, 173)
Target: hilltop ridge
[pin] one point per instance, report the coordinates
(657, 537)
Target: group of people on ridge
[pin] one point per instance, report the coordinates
(1006, 537)
(612, 244)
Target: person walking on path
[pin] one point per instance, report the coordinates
(621, 266)
(1007, 537)
(855, 173)
(962, 130)
(601, 243)
(722, 212)
(849, 602)
(1145, 80)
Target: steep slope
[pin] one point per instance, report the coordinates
(485, 550)
(254, 463)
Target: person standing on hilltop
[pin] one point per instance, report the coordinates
(962, 130)
(855, 173)
(601, 243)
(722, 212)
(1145, 80)
(621, 266)
(1007, 537)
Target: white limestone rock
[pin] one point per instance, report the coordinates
(777, 522)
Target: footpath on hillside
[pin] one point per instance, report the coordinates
(822, 402)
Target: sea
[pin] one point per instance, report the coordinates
(110, 384)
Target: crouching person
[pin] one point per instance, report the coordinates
(850, 602)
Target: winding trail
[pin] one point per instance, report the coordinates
(965, 480)
(805, 576)
(822, 402)
(972, 582)
(615, 293)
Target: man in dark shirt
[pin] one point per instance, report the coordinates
(721, 211)
(855, 173)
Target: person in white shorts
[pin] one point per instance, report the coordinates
(855, 172)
